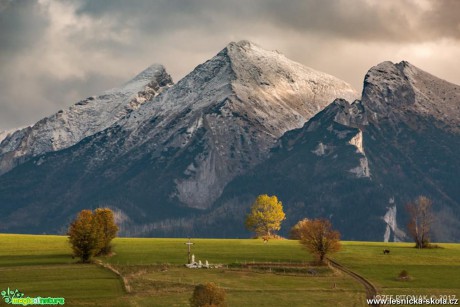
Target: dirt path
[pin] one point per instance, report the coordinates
(371, 291)
(124, 281)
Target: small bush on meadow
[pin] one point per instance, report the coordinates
(404, 275)
(208, 295)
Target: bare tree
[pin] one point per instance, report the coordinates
(420, 220)
(318, 237)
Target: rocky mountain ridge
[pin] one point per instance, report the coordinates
(85, 118)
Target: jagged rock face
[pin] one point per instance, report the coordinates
(285, 92)
(87, 117)
(392, 91)
(5, 134)
(316, 171)
(174, 155)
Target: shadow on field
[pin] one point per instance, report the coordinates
(19, 260)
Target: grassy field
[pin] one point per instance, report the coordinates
(174, 251)
(173, 287)
(433, 271)
(42, 266)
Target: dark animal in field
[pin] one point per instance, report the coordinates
(386, 251)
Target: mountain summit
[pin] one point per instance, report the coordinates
(392, 90)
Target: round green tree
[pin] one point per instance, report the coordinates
(266, 215)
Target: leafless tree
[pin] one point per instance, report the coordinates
(318, 237)
(420, 220)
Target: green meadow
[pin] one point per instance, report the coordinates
(154, 273)
(43, 266)
(433, 271)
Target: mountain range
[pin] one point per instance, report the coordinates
(188, 159)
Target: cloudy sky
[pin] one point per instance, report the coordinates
(54, 53)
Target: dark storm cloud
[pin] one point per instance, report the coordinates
(20, 25)
(53, 53)
(47, 96)
(394, 21)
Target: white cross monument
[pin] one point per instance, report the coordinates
(189, 244)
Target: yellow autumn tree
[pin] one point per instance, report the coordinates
(266, 215)
(84, 236)
(91, 232)
(108, 229)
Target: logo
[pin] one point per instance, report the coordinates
(14, 297)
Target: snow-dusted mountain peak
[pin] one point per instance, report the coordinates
(257, 82)
(268, 80)
(87, 117)
(150, 73)
(400, 88)
(155, 73)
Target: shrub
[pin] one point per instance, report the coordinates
(208, 295)
(404, 275)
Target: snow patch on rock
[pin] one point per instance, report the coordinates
(392, 231)
(357, 141)
(320, 150)
(202, 185)
(362, 170)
